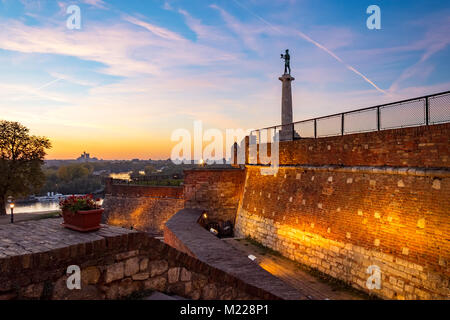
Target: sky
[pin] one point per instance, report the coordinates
(137, 70)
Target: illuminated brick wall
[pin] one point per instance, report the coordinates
(144, 208)
(343, 204)
(147, 208)
(217, 191)
(408, 147)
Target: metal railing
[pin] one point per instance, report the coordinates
(426, 110)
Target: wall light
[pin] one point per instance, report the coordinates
(252, 257)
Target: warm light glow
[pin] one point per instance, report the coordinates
(11, 205)
(205, 216)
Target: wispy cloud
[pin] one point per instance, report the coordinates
(96, 3)
(436, 39)
(318, 45)
(21, 92)
(158, 31)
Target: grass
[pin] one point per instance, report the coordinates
(166, 182)
(49, 215)
(264, 250)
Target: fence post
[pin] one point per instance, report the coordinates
(258, 144)
(427, 111)
(378, 119)
(315, 128)
(342, 124)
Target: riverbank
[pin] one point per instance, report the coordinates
(18, 217)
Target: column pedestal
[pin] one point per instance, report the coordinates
(287, 130)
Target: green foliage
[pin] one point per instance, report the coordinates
(75, 171)
(72, 179)
(149, 170)
(165, 182)
(21, 158)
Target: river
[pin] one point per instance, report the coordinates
(36, 207)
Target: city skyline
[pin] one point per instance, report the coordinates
(136, 72)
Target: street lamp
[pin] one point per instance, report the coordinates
(11, 206)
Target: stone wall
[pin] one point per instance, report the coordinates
(342, 204)
(217, 191)
(143, 191)
(426, 146)
(115, 263)
(184, 233)
(144, 208)
(342, 220)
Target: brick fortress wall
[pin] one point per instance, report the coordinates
(426, 147)
(342, 204)
(217, 191)
(148, 208)
(145, 208)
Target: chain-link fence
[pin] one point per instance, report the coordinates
(427, 110)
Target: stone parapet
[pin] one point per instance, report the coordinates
(115, 263)
(184, 233)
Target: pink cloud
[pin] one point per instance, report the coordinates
(96, 3)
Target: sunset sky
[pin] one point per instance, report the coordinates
(138, 70)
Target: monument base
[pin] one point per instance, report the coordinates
(287, 131)
(288, 135)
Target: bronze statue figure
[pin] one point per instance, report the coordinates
(287, 62)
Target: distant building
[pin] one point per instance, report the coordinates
(86, 157)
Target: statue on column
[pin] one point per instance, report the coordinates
(287, 62)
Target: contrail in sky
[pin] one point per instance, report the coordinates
(318, 45)
(34, 91)
(48, 84)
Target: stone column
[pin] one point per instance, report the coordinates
(286, 132)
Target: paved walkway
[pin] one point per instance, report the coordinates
(188, 236)
(288, 271)
(47, 234)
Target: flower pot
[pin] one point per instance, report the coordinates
(83, 221)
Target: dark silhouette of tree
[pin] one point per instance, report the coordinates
(149, 170)
(21, 158)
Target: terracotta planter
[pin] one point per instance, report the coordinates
(83, 221)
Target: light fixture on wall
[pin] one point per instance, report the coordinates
(214, 231)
